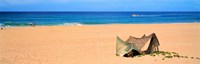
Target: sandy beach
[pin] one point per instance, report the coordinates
(95, 44)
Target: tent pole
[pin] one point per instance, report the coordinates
(157, 48)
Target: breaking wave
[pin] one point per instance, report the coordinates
(72, 24)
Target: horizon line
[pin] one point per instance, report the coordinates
(99, 11)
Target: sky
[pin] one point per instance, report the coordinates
(99, 5)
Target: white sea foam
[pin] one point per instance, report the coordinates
(72, 24)
(153, 15)
(146, 15)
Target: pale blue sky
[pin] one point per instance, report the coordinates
(99, 5)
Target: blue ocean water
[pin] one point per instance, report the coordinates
(93, 18)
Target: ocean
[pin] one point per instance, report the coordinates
(95, 18)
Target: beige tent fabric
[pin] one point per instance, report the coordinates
(133, 43)
(123, 47)
(139, 42)
(154, 43)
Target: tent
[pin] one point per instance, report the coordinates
(132, 46)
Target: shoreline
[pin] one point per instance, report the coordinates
(101, 24)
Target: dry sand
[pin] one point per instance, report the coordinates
(94, 44)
